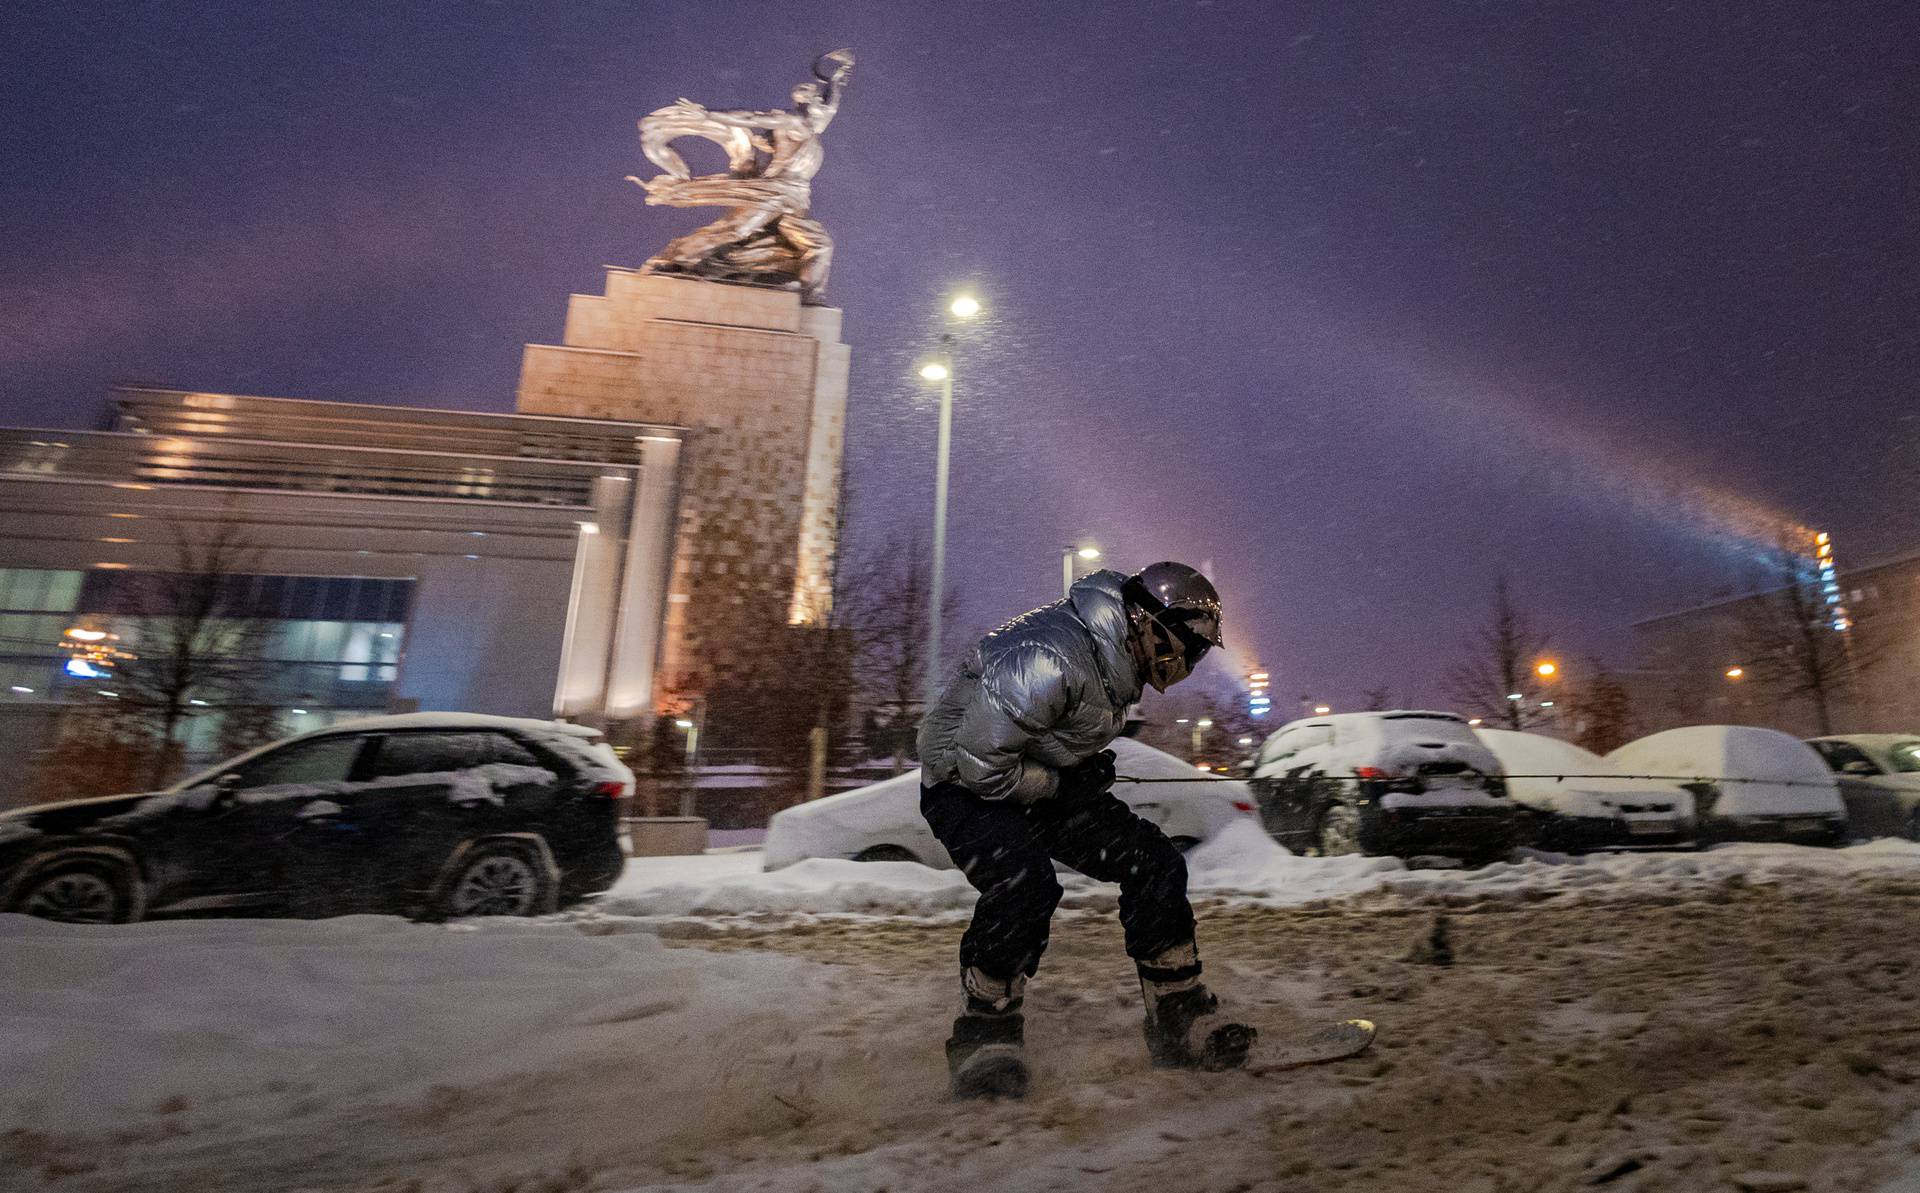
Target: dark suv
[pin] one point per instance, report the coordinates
(430, 815)
(1401, 782)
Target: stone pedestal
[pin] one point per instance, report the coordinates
(760, 381)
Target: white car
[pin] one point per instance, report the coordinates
(1749, 784)
(1578, 800)
(1879, 775)
(882, 822)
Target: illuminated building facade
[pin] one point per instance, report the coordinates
(397, 558)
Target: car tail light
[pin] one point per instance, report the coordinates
(1244, 806)
(611, 789)
(1370, 772)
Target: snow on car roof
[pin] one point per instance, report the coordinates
(1356, 718)
(458, 720)
(405, 720)
(1725, 751)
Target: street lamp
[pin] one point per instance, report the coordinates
(1546, 669)
(1734, 673)
(691, 726)
(1200, 728)
(1067, 556)
(1321, 710)
(940, 371)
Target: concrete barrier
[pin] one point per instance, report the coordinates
(667, 836)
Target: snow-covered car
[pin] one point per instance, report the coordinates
(1401, 782)
(882, 823)
(1748, 784)
(1879, 777)
(427, 814)
(1574, 800)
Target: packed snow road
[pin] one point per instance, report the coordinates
(1737, 1020)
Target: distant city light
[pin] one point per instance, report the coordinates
(1181, 720)
(1321, 710)
(298, 712)
(110, 695)
(200, 703)
(1246, 741)
(80, 634)
(83, 669)
(1736, 672)
(24, 691)
(1473, 720)
(1515, 696)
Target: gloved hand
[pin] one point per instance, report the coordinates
(1087, 779)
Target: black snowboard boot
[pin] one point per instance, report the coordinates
(1185, 1028)
(986, 1054)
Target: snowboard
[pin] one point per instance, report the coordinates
(1336, 1041)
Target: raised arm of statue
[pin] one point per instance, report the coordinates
(768, 236)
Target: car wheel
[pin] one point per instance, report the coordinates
(496, 880)
(1338, 833)
(76, 892)
(885, 853)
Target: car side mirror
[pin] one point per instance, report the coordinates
(1857, 767)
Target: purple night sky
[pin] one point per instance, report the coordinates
(1363, 303)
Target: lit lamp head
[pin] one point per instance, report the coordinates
(966, 306)
(933, 371)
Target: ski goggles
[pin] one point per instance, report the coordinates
(1176, 636)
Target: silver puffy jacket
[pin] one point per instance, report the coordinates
(1042, 692)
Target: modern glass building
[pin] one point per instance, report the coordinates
(385, 558)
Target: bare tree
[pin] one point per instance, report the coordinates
(1795, 645)
(1497, 682)
(196, 651)
(886, 603)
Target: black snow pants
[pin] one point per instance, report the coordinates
(1007, 851)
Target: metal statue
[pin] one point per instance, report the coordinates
(769, 236)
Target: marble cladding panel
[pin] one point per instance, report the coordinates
(761, 383)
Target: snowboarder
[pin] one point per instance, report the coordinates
(1016, 773)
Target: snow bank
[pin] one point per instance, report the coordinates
(1240, 863)
(733, 883)
(250, 1021)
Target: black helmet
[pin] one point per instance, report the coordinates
(1176, 618)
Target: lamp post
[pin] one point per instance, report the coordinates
(1067, 556)
(940, 370)
(691, 726)
(1200, 728)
